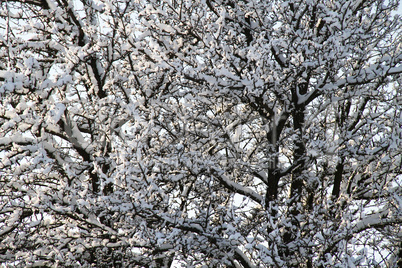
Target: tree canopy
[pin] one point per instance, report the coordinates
(205, 133)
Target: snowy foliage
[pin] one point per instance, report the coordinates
(205, 133)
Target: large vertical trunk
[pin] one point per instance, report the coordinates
(273, 171)
(298, 154)
(297, 183)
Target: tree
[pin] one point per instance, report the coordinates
(220, 133)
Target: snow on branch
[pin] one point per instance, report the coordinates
(237, 188)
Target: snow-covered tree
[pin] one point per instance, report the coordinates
(206, 133)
